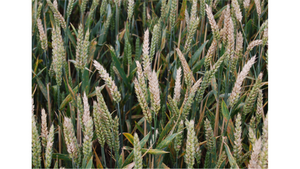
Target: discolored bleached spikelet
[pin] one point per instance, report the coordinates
(86, 113)
(146, 56)
(49, 150)
(265, 36)
(142, 101)
(246, 4)
(263, 158)
(43, 35)
(252, 137)
(259, 109)
(239, 43)
(188, 76)
(154, 92)
(237, 10)
(44, 129)
(177, 88)
(108, 81)
(252, 45)
(253, 164)
(212, 22)
(238, 84)
(230, 34)
(258, 7)
(138, 159)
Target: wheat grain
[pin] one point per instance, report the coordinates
(253, 164)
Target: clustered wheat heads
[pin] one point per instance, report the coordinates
(220, 49)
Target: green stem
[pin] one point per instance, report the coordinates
(121, 136)
(103, 156)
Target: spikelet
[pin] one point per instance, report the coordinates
(222, 158)
(237, 10)
(83, 6)
(142, 101)
(238, 84)
(198, 153)
(130, 9)
(212, 22)
(103, 7)
(39, 10)
(252, 45)
(252, 137)
(58, 53)
(230, 34)
(249, 102)
(189, 156)
(57, 15)
(49, 150)
(194, 10)
(253, 164)
(108, 81)
(174, 109)
(265, 37)
(129, 51)
(179, 137)
(226, 24)
(202, 8)
(71, 142)
(70, 7)
(209, 135)
(190, 100)
(258, 7)
(208, 77)
(237, 148)
(172, 15)
(79, 61)
(87, 139)
(107, 23)
(86, 113)
(115, 133)
(44, 130)
(36, 145)
(263, 158)
(154, 92)
(80, 111)
(192, 29)
(239, 44)
(154, 41)
(146, 56)
(141, 79)
(246, 4)
(187, 18)
(259, 109)
(43, 35)
(209, 54)
(98, 125)
(163, 9)
(187, 72)
(93, 8)
(138, 159)
(177, 88)
(220, 21)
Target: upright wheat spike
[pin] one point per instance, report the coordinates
(239, 43)
(142, 101)
(249, 102)
(265, 36)
(86, 113)
(71, 141)
(188, 76)
(154, 41)
(226, 24)
(49, 147)
(43, 35)
(233, 98)
(189, 156)
(179, 137)
(99, 128)
(173, 12)
(237, 148)
(44, 129)
(36, 145)
(237, 10)
(146, 57)
(263, 158)
(87, 139)
(192, 29)
(212, 22)
(70, 7)
(187, 18)
(141, 78)
(209, 135)
(57, 15)
(115, 133)
(258, 7)
(103, 7)
(253, 164)
(252, 137)
(209, 53)
(108, 81)
(230, 34)
(154, 92)
(163, 9)
(259, 109)
(177, 88)
(138, 159)
(83, 6)
(130, 9)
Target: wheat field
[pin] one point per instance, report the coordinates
(149, 84)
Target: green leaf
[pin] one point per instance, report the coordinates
(68, 98)
(90, 163)
(230, 128)
(167, 141)
(42, 87)
(231, 159)
(64, 157)
(196, 55)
